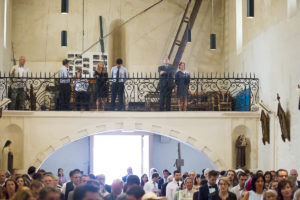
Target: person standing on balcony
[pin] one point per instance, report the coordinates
(64, 87)
(119, 74)
(101, 85)
(182, 80)
(81, 95)
(18, 85)
(165, 85)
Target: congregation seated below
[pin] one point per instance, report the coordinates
(209, 185)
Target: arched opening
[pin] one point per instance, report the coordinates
(14, 133)
(162, 154)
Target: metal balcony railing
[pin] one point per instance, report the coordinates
(208, 92)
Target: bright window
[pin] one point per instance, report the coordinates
(113, 154)
(291, 7)
(239, 25)
(4, 24)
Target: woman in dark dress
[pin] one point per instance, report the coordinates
(182, 80)
(101, 85)
(223, 193)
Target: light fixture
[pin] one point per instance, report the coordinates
(213, 36)
(250, 8)
(64, 6)
(64, 38)
(213, 41)
(189, 35)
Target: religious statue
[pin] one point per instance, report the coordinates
(241, 144)
(7, 157)
(265, 126)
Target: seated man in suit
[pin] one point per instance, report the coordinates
(210, 187)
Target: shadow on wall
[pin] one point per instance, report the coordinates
(15, 134)
(241, 130)
(117, 43)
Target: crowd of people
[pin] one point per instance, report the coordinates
(209, 185)
(105, 86)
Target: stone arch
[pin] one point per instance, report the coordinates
(14, 133)
(241, 130)
(130, 127)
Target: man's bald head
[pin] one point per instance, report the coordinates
(117, 187)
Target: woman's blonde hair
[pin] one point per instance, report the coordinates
(270, 192)
(104, 70)
(297, 194)
(225, 180)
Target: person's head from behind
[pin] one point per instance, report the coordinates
(285, 189)
(270, 195)
(36, 187)
(224, 184)
(155, 177)
(170, 178)
(135, 193)
(297, 195)
(24, 193)
(22, 61)
(119, 62)
(132, 180)
(49, 193)
(31, 170)
(65, 63)
(212, 177)
(48, 180)
(101, 178)
(177, 175)
(188, 183)
(87, 192)
(117, 187)
(282, 174)
(258, 182)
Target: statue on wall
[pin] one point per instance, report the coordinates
(265, 126)
(284, 122)
(241, 144)
(7, 157)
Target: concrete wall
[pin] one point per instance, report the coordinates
(6, 53)
(71, 156)
(164, 154)
(142, 43)
(45, 132)
(271, 43)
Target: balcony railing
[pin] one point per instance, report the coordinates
(209, 92)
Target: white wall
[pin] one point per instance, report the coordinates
(271, 50)
(5, 53)
(71, 156)
(165, 153)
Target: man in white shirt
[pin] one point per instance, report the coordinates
(18, 85)
(173, 186)
(240, 190)
(188, 193)
(64, 86)
(119, 74)
(152, 186)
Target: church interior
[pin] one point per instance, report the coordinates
(240, 108)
